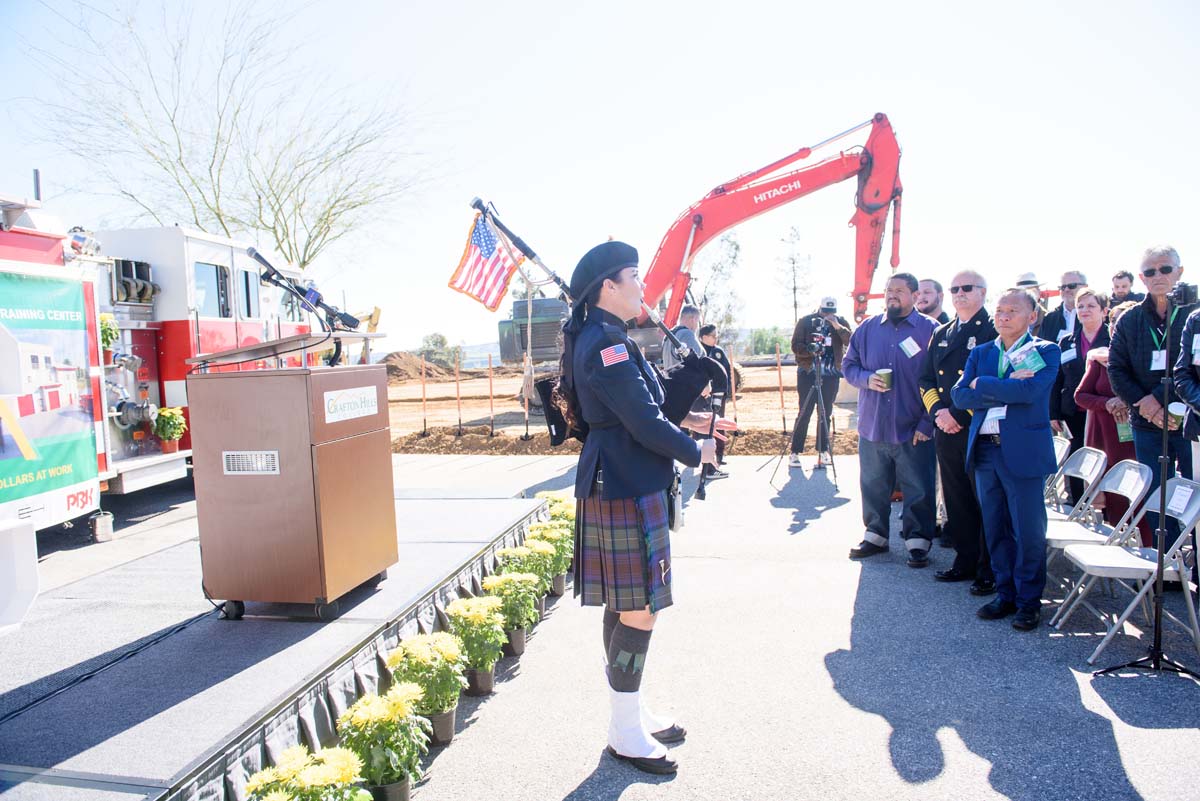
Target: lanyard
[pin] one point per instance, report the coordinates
(1003, 354)
(1158, 340)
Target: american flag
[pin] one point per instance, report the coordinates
(485, 270)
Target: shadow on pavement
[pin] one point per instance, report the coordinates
(815, 491)
(610, 779)
(1010, 696)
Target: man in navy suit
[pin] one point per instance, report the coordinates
(1007, 385)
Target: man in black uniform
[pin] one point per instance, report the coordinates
(949, 348)
(622, 543)
(708, 338)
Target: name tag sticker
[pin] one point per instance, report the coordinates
(1128, 483)
(1068, 356)
(910, 347)
(1158, 360)
(1179, 500)
(1195, 343)
(996, 413)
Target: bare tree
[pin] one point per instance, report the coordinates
(207, 123)
(714, 289)
(795, 273)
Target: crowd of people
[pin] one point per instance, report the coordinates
(972, 401)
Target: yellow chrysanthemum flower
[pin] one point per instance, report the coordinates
(516, 552)
(542, 548)
(292, 761)
(343, 762)
(318, 775)
(507, 582)
(277, 795)
(262, 779)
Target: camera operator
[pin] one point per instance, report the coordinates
(1137, 362)
(821, 335)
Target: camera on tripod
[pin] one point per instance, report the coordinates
(1184, 294)
(818, 337)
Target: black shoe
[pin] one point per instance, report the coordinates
(945, 542)
(996, 609)
(715, 474)
(1028, 619)
(982, 587)
(670, 735)
(660, 765)
(953, 574)
(865, 549)
(918, 557)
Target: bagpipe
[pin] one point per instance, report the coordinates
(682, 385)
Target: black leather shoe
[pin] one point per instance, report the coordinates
(918, 557)
(670, 735)
(865, 549)
(982, 587)
(1028, 619)
(996, 609)
(953, 574)
(660, 765)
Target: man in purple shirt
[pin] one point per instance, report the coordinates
(894, 430)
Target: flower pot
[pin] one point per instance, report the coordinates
(481, 682)
(390, 792)
(541, 607)
(170, 445)
(558, 586)
(516, 642)
(108, 357)
(443, 727)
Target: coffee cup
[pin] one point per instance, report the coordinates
(1176, 411)
(885, 375)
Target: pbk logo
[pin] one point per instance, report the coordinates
(80, 500)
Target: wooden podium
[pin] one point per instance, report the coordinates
(293, 472)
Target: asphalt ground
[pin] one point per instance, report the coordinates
(801, 674)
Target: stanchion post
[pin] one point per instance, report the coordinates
(458, 391)
(491, 399)
(733, 388)
(526, 388)
(424, 412)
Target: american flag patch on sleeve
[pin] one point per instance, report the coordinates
(614, 355)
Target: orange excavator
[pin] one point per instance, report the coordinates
(876, 165)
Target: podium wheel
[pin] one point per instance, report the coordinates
(327, 611)
(234, 610)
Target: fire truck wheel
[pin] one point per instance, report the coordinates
(327, 611)
(234, 610)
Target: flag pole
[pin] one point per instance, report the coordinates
(491, 398)
(527, 367)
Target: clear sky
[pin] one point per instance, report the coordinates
(1036, 136)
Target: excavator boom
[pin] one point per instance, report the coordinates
(877, 167)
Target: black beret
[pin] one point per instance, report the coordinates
(599, 263)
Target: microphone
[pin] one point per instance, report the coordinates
(258, 257)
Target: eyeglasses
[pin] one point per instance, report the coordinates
(1166, 269)
(954, 290)
(1065, 287)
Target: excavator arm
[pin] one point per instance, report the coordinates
(877, 167)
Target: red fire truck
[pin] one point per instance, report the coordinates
(76, 419)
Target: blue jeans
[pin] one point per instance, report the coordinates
(1147, 444)
(1014, 524)
(881, 464)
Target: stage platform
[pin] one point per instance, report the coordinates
(127, 684)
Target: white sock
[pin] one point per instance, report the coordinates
(653, 722)
(626, 733)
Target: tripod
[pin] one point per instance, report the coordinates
(823, 430)
(1155, 659)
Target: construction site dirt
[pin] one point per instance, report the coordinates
(478, 415)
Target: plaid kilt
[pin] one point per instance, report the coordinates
(623, 552)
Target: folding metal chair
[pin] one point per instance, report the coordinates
(1128, 479)
(1062, 447)
(1086, 464)
(1127, 563)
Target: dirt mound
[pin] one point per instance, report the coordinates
(475, 439)
(402, 366)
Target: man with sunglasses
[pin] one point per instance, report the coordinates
(945, 360)
(1063, 322)
(1137, 360)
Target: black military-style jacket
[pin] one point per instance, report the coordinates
(945, 359)
(621, 399)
